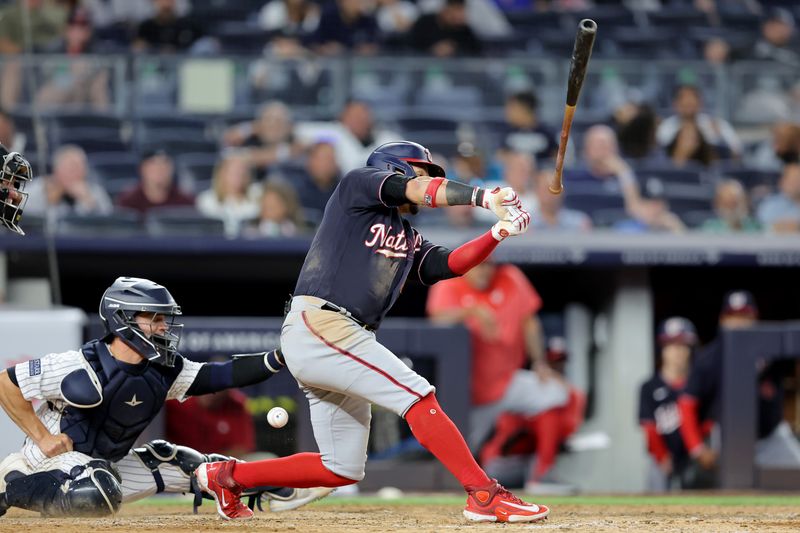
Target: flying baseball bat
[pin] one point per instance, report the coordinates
(584, 40)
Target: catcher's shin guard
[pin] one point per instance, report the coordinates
(88, 490)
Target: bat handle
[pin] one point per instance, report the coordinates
(557, 183)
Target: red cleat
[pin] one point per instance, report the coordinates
(495, 504)
(217, 480)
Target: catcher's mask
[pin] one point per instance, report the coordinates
(15, 173)
(128, 298)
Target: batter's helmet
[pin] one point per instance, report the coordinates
(396, 157)
(15, 173)
(128, 297)
(677, 329)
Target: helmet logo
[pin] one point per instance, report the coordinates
(428, 155)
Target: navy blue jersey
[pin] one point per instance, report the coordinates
(658, 402)
(363, 250)
(704, 385)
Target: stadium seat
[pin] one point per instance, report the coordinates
(696, 219)
(677, 18)
(121, 223)
(182, 221)
(590, 203)
(606, 218)
(669, 174)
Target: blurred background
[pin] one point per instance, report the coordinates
(196, 142)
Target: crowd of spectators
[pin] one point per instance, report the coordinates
(638, 169)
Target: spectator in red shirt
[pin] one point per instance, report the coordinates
(541, 435)
(498, 305)
(213, 423)
(156, 186)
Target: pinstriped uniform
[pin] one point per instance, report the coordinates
(40, 379)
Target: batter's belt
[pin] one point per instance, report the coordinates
(325, 305)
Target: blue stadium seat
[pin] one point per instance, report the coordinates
(677, 18)
(696, 219)
(606, 218)
(118, 171)
(590, 203)
(669, 174)
(121, 223)
(181, 221)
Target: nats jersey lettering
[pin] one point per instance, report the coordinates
(363, 251)
(389, 245)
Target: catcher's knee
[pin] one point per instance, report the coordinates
(98, 494)
(157, 452)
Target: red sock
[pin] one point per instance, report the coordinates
(434, 430)
(301, 470)
(545, 426)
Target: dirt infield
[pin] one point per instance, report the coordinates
(348, 516)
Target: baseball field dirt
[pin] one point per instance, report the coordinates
(756, 513)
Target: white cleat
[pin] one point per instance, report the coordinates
(298, 498)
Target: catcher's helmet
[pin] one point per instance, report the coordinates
(396, 156)
(15, 173)
(677, 329)
(128, 297)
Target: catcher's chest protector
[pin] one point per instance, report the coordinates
(132, 397)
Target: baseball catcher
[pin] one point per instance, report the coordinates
(77, 459)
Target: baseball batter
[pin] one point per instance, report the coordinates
(355, 269)
(77, 458)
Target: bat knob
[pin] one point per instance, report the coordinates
(555, 189)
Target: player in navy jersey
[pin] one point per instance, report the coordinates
(361, 256)
(658, 403)
(700, 402)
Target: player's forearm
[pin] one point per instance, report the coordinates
(241, 371)
(441, 192)
(20, 410)
(534, 339)
(690, 425)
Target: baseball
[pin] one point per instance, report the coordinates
(277, 417)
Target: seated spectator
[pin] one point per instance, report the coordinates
(714, 131)
(156, 186)
(269, 139)
(540, 436)
(77, 82)
(47, 21)
(635, 125)
(396, 17)
(601, 164)
(345, 26)
(322, 176)
(652, 213)
(551, 215)
(499, 306)
(356, 135)
(212, 423)
(469, 165)
(446, 33)
(68, 189)
(732, 208)
(280, 214)
(166, 31)
(12, 139)
(689, 146)
(716, 51)
(519, 173)
(780, 212)
(658, 407)
(778, 40)
(781, 148)
(296, 18)
(524, 132)
(233, 197)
